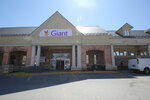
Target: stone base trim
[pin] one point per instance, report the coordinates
(108, 67)
(84, 67)
(5, 69)
(75, 69)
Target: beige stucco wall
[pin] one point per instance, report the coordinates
(70, 40)
(130, 41)
(15, 40)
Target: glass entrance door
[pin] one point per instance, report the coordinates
(60, 61)
(60, 64)
(57, 64)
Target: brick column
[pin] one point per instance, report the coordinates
(5, 58)
(28, 56)
(83, 57)
(5, 62)
(107, 55)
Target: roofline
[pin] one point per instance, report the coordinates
(88, 26)
(18, 27)
(131, 30)
(75, 26)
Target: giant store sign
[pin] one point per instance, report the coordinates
(55, 32)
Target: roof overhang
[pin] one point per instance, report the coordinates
(147, 31)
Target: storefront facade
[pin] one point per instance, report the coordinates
(57, 44)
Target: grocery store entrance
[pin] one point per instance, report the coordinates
(60, 64)
(60, 61)
(56, 57)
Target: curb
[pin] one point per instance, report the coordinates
(72, 72)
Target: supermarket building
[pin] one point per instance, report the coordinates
(57, 43)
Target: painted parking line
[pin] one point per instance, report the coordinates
(143, 78)
(99, 97)
(64, 93)
(74, 72)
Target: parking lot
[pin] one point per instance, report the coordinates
(76, 86)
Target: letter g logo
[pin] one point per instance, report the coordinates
(53, 32)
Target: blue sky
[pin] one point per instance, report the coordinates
(108, 14)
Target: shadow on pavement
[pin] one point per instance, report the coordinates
(13, 84)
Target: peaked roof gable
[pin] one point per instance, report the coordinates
(56, 21)
(126, 25)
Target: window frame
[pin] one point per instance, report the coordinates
(127, 33)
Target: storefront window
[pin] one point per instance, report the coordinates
(121, 53)
(127, 33)
(125, 53)
(145, 53)
(132, 54)
(117, 53)
(24, 60)
(141, 54)
(87, 59)
(95, 60)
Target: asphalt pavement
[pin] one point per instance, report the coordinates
(76, 86)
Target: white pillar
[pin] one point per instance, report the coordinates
(112, 56)
(38, 56)
(73, 56)
(33, 56)
(79, 56)
(149, 50)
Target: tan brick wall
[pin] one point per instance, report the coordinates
(105, 48)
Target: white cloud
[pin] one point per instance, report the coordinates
(90, 4)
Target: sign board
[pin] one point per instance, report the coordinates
(42, 59)
(55, 32)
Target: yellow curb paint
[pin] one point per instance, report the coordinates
(61, 73)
